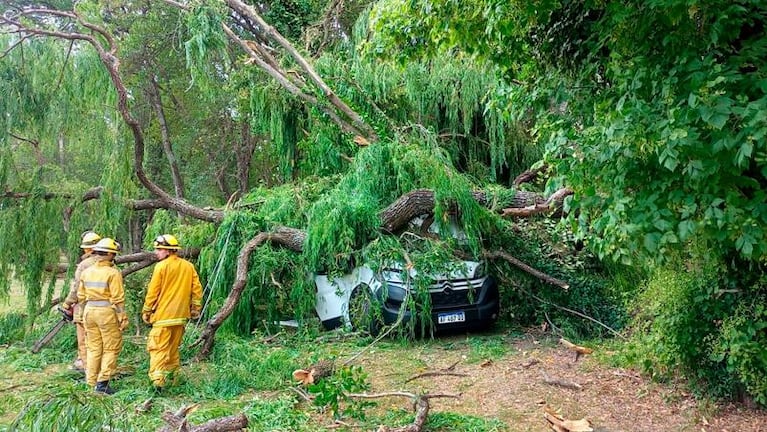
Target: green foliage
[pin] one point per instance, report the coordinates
(278, 413)
(740, 346)
(277, 283)
(70, 409)
(207, 41)
(190, 234)
(601, 291)
(653, 113)
(445, 421)
(709, 320)
(482, 349)
(679, 313)
(11, 327)
(28, 244)
(332, 392)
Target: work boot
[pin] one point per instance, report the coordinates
(103, 387)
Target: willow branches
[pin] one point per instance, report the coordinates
(104, 44)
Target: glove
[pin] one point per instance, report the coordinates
(147, 317)
(122, 320)
(67, 312)
(195, 313)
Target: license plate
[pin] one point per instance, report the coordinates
(454, 317)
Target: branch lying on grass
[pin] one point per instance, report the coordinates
(608, 328)
(446, 371)
(522, 266)
(561, 383)
(177, 422)
(421, 403)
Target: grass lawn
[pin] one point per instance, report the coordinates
(493, 381)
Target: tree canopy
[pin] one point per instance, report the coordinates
(303, 121)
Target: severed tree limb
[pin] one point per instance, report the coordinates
(529, 175)
(290, 238)
(222, 424)
(421, 403)
(552, 203)
(435, 373)
(521, 265)
(561, 383)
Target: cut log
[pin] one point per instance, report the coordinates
(577, 349)
(221, 424)
(315, 372)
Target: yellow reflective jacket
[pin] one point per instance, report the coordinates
(102, 282)
(86, 261)
(172, 293)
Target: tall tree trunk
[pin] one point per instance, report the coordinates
(244, 153)
(156, 99)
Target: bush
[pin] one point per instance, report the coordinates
(706, 320)
(741, 347)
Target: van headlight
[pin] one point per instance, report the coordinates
(480, 270)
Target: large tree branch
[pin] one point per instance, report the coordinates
(393, 217)
(521, 265)
(290, 238)
(551, 204)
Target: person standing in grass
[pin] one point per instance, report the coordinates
(174, 295)
(103, 296)
(87, 240)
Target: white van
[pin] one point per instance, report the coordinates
(464, 297)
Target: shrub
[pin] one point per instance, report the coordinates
(703, 317)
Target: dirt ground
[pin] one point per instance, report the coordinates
(517, 387)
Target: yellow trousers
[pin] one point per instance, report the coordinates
(162, 344)
(82, 348)
(104, 340)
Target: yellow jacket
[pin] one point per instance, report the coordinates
(102, 282)
(173, 292)
(86, 261)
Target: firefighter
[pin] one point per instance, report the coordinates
(102, 294)
(87, 240)
(174, 295)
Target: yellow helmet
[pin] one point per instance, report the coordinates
(88, 239)
(107, 245)
(166, 241)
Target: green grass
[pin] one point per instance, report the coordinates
(242, 376)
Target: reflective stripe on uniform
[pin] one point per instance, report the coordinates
(169, 322)
(95, 284)
(98, 303)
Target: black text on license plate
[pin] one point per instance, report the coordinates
(454, 317)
